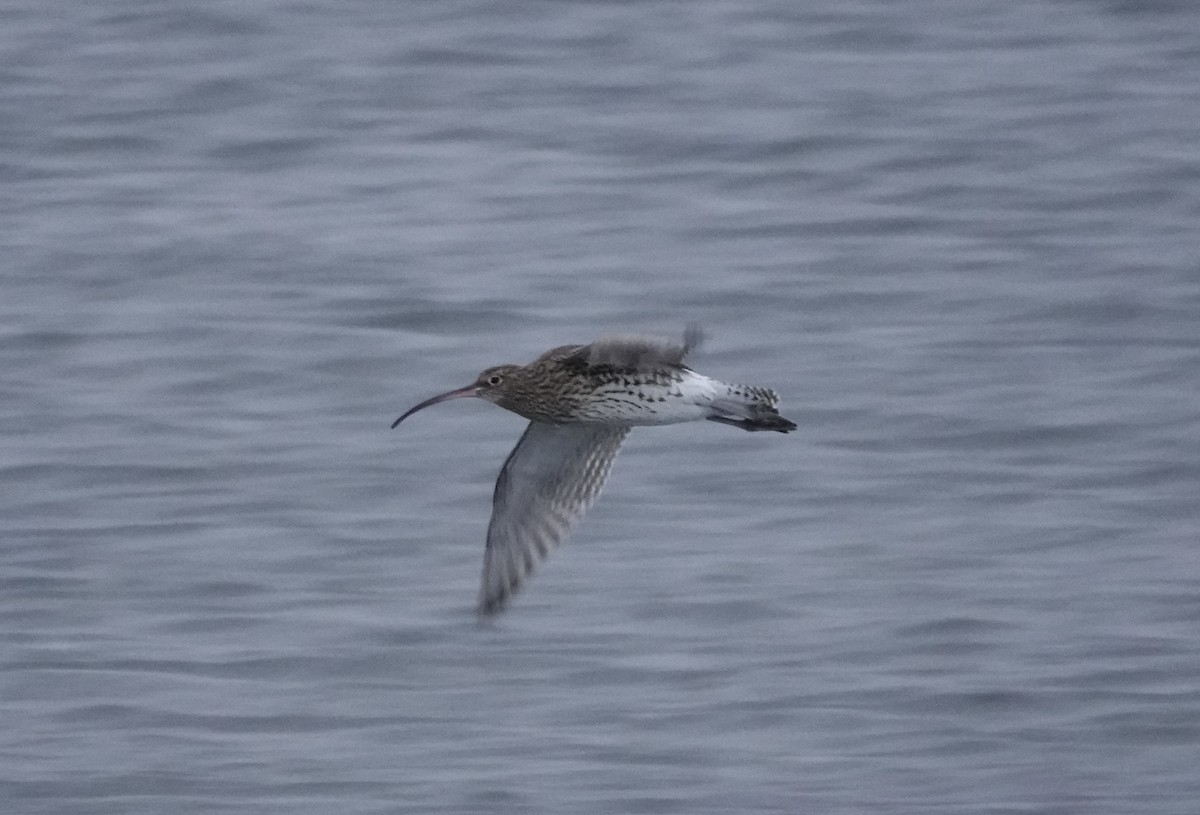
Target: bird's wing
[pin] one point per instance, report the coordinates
(634, 352)
(550, 478)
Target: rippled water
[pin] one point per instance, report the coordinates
(960, 238)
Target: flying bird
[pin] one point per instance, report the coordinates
(581, 401)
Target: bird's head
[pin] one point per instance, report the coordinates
(496, 385)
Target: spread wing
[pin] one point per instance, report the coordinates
(635, 352)
(550, 478)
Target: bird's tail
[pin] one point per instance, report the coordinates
(749, 408)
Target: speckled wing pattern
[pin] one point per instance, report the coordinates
(549, 480)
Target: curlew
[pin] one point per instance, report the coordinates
(581, 401)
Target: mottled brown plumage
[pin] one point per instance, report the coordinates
(581, 401)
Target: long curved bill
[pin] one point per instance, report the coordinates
(469, 390)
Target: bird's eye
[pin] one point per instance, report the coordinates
(495, 379)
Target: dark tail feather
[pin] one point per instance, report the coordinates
(768, 422)
(749, 408)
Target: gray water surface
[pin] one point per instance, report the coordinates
(959, 238)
